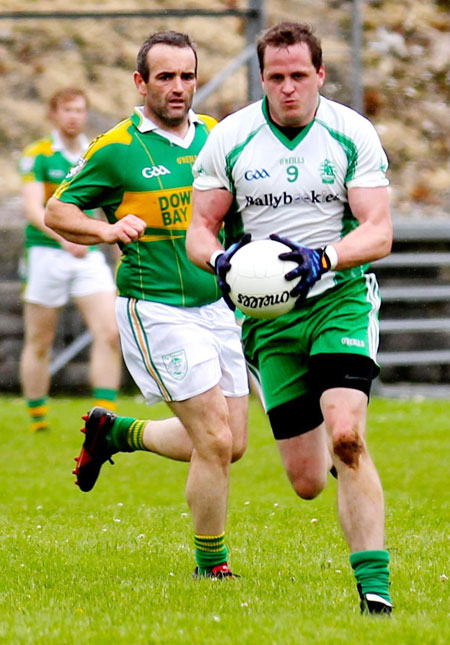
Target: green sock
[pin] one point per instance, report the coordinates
(210, 550)
(37, 409)
(371, 572)
(105, 397)
(127, 433)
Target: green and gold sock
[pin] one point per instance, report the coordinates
(105, 398)
(127, 434)
(210, 550)
(371, 572)
(38, 409)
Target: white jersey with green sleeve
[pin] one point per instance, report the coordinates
(296, 188)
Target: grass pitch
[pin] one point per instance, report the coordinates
(114, 565)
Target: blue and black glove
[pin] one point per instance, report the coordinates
(312, 264)
(220, 262)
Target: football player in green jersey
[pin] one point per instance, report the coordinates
(180, 341)
(56, 270)
(312, 171)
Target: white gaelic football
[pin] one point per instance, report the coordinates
(256, 279)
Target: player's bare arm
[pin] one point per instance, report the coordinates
(74, 225)
(372, 239)
(208, 211)
(33, 195)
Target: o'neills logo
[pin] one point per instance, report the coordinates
(256, 302)
(352, 342)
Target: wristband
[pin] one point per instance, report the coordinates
(213, 259)
(332, 256)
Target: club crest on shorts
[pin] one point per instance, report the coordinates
(176, 364)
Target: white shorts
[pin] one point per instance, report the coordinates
(53, 276)
(175, 353)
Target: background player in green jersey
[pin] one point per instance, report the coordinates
(180, 341)
(56, 269)
(313, 171)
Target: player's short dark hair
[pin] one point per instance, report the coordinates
(286, 34)
(171, 38)
(64, 95)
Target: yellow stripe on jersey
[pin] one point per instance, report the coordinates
(159, 238)
(41, 147)
(118, 134)
(169, 208)
(27, 160)
(209, 121)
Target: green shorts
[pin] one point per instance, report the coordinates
(344, 320)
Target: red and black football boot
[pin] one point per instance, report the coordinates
(96, 449)
(219, 572)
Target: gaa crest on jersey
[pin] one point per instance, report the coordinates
(78, 167)
(328, 172)
(176, 364)
(155, 171)
(251, 175)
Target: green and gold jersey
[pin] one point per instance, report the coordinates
(45, 161)
(138, 169)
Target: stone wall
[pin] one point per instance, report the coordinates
(405, 60)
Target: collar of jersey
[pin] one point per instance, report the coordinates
(144, 124)
(289, 143)
(58, 146)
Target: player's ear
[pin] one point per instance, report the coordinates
(262, 84)
(321, 76)
(140, 83)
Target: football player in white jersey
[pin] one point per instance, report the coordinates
(310, 172)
